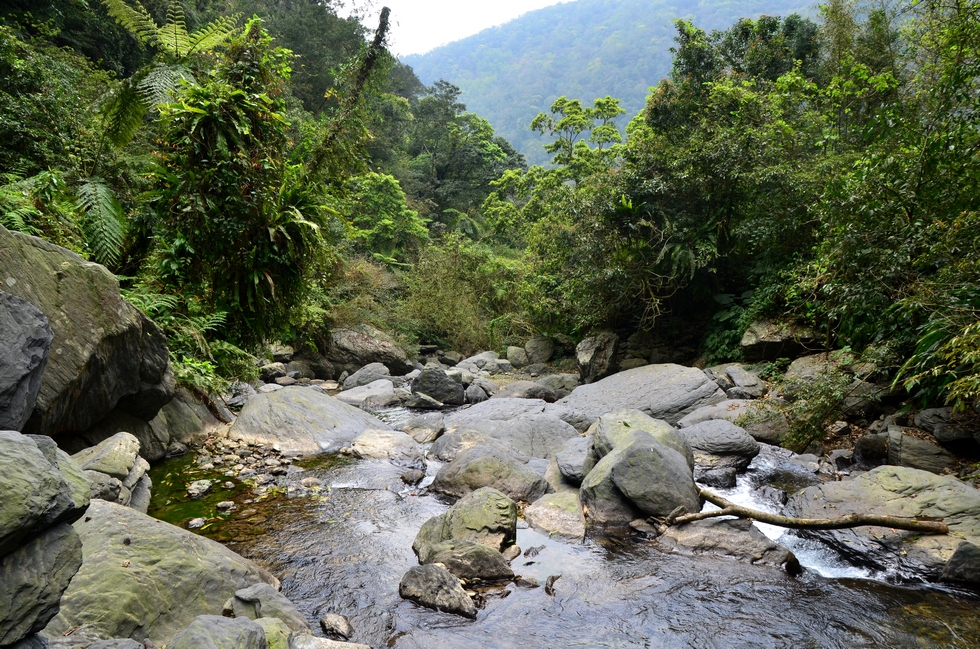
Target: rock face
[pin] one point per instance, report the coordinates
(381, 390)
(539, 350)
(262, 600)
(493, 410)
(426, 428)
(763, 424)
(143, 578)
(665, 392)
(25, 340)
(766, 341)
(437, 384)
(367, 374)
(557, 514)
(720, 444)
(104, 353)
(301, 420)
(490, 467)
(574, 460)
(351, 349)
(895, 491)
(42, 491)
(597, 356)
(905, 450)
(470, 561)
(388, 445)
(533, 435)
(526, 390)
(738, 539)
(435, 587)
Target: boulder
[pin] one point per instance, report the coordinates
(475, 394)
(216, 632)
(104, 352)
(945, 426)
(964, 566)
(116, 472)
(538, 435)
(435, 587)
(762, 423)
(894, 491)
(490, 467)
(632, 363)
(368, 374)
(32, 580)
(526, 390)
(737, 539)
(765, 340)
(665, 392)
(388, 445)
(277, 633)
(350, 349)
(493, 410)
(153, 442)
(426, 428)
(40, 487)
(905, 450)
(597, 356)
(539, 350)
(143, 578)
(186, 419)
(335, 625)
(25, 340)
(574, 461)
(313, 642)
(262, 600)
(610, 430)
(435, 383)
(517, 356)
(557, 515)
(560, 384)
(381, 390)
(748, 384)
(719, 444)
(485, 516)
(470, 561)
(301, 420)
(272, 371)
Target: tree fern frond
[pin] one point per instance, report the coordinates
(213, 34)
(173, 36)
(161, 83)
(137, 22)
(103, 223)
(124, 110)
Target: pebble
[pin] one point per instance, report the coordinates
(198, 489)
(336, 626)
(196, 523)
(229, 485)
(226, 505)
(310, 482)
(511, 553)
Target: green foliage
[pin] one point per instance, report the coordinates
(380, 222)
(103, 222)
(815, 403)
(721, 343)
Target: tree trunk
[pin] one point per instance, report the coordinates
(729, 508)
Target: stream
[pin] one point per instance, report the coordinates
(345, 548)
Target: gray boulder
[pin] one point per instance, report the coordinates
(392, 445)
(610, 430)
(597, 356)
(557, 515)
(272, 371)
(720, 444)
(368, 374)
(436, 384)
(964, 566)
(490, 467)
(104, 353)
(485, 516)
(32, 580)
(216, 632)
(539, 349)
(351, 349)
(560, 384)
(381, 391)
(426, 428)
(153, 441)
(894, 491)
(762, 423)
(526, 390)
(262, 600)
(301, 420)
(25, 340)
(533, 435)
(470, 561)
(475, 394)
(143, 578)
(665, 392)
(749, 385)
(116, 472)
(435, 587)
(737, 539)
(40, 486)
(186, 419)
(517, 356)
(905, 450)
(574, 461)
(493, 410)
(945, 426)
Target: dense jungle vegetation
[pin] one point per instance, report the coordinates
(262, 170)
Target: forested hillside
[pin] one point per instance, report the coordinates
(586, 48)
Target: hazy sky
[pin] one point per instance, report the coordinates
(421, 25)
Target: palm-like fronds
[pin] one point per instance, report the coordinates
(16, 209)
(124, 109)
(172, 38)
(103, 223)
(161, 82)
(137, 22)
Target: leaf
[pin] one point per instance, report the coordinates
(103, 222)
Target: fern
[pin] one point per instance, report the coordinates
(123, 110)
(213, 34)
(103, 223)
(161, 83)
(137, 22)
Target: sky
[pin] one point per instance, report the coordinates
(421, 25)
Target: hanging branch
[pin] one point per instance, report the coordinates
(351, 100)
(729, 508)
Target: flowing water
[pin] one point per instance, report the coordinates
(345, 551)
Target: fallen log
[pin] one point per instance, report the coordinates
(729, 508)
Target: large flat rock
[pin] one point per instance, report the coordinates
(301, 420)
(143, 578)
(665, 391)
(104, 353)
(895, 491)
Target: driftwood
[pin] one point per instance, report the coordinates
(729, 508)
